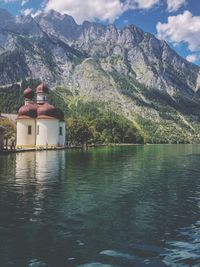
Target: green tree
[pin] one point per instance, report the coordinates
(10, 129)
(80, 131)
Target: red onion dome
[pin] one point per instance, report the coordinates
(28, 93)
(60, 114)
(28, 111)
(49, 111)
(42, 88)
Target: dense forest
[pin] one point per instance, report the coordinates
(95, 122)
(89, 122)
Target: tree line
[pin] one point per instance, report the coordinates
(86, 124)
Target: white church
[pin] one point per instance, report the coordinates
(40, 124)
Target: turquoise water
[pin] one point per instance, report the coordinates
(123, 206)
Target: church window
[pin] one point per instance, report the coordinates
(38, 130)
(29, 130)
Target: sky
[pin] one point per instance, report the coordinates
(176, 21)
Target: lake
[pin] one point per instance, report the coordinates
(110, 206)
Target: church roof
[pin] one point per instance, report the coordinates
(39, 111)
(28, 93)
(49, 111)
(28, 111)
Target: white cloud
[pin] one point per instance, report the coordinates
(88, 9)
(27, 11)
(174, 5)
(38, 12)
(143, 4)
(22, 2)
(106, 10)
(183, 28)
(193, 58)
(9, 1)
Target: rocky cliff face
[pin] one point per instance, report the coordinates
(136, 74)
(150, 61)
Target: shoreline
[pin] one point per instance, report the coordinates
(11, 151)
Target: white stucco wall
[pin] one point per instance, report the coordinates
(23, 138)
(48, 132)
(62, 137)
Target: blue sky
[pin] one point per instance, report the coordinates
(176, 21)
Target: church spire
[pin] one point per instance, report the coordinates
(42, 91)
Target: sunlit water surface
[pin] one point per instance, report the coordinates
(123, 206)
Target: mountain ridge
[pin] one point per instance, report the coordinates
(96, 40)
(131, 71)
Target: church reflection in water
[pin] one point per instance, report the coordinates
(38, 166)
(144, 201)
(35, 173)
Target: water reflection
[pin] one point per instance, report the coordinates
(136, 206)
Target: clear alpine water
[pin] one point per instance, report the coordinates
(111, 206)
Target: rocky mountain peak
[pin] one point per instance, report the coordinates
(129, 70)
(55, 16)
(5, 18)
(54, 23)
(151, 61)
(4, 14)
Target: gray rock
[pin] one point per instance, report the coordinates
(133, 72)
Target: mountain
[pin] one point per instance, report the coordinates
(128, 70)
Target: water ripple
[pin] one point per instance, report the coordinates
(185, 251)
